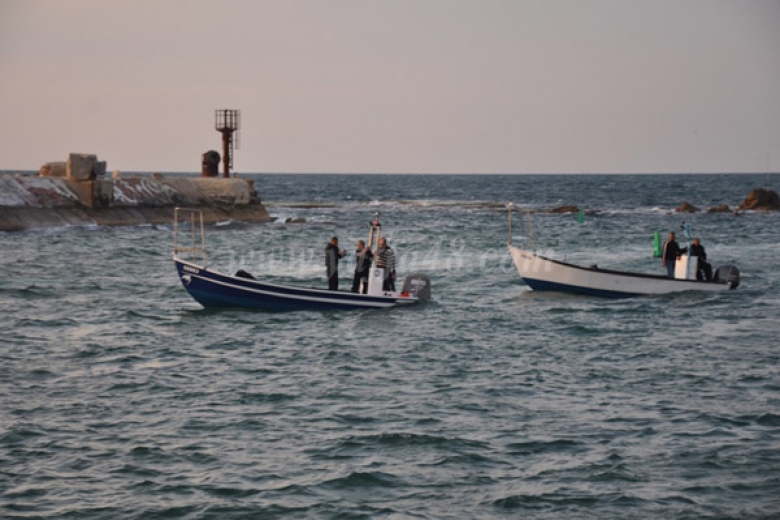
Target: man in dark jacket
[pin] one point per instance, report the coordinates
(332, 256)
(363, 257)
(704, 269)
(671, 251)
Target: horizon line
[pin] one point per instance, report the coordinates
(240, 173)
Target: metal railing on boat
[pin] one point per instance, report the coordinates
(191, 225)
(531, 236)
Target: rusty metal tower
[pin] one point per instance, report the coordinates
(228, 122)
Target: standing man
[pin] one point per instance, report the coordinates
(386, 260)
(332, 256)
(671, 252)
(363, 257)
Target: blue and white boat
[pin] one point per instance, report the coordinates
(212, 288)
(545, 274)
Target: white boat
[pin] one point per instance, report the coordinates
(545, 274)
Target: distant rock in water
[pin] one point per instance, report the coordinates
(723, 208)
(565, 209)
(297, 220)
(686, 207)
(761, 199)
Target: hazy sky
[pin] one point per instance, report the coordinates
(505, 86)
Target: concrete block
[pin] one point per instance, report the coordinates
(143, 192)
(54, 169)
(225, 191)
(84, 191)
(100, 169)
(12, 194)
(81, 166)
(187, 192)
(43, 192)
(104, 193)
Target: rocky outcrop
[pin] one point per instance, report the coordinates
(723, 208)
(686, 207)
(761, 199)
(565, 209)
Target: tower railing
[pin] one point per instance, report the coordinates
(228, 122)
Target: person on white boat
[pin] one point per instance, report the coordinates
(671, 251)
(704, 269)
(332, 256)
(363, 257)
(385, 259)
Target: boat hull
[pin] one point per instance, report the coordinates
(213, 289)
(544, 274)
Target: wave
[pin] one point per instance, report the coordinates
(434, 203)
(553, 446)
(480, 204)
(360, 479)
(401, 440)
(302, 204)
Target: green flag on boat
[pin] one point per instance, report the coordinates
(657, 244)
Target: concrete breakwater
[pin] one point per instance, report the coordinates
(28, 202)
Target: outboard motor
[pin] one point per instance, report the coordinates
(417, 285)
(244, 274)
(727, 273)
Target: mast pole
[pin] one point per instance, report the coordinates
(767, 169)
(509, 238)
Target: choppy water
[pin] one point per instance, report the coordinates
(121, 398)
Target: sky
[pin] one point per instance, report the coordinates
(395, 86)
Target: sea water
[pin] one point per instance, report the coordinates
(120, 397)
